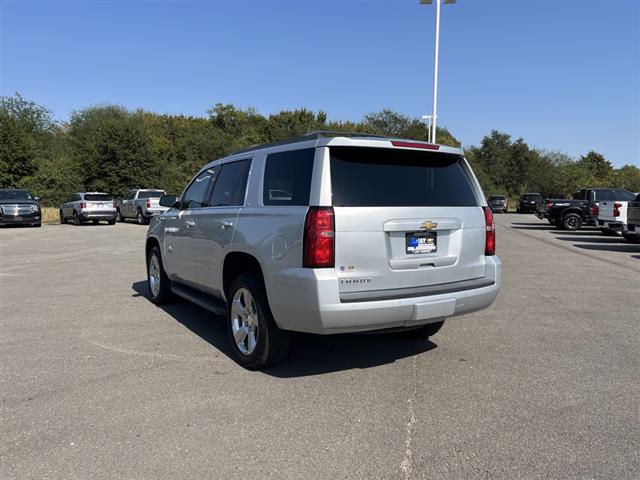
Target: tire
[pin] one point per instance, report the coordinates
(142, 220)
(425, 331)
(112, 222)
(157, 280)
(248, 312)
(38, 225)
(119, 217)
(76, 219)
(571, 221)
(609, 232)
(62, 219)
(95, 222)
(633, 238)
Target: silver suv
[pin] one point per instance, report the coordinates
(327, 234)
(88, 206)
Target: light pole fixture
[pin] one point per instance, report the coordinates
(434, 115)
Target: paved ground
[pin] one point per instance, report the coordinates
(97, 382)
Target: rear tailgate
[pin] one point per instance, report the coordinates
(608, 210)
(404, 219)
(98, 203)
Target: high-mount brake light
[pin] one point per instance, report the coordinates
(490, 239)
(319, 238)
(426, 146)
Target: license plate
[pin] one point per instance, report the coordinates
(422, 242)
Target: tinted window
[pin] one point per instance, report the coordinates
(397, 178)
(14, 195)
(130, 195)
(194, 195)
(496, 197)
(624, 196)
(153, 194)
(97, 197)
(535, 198)
(287, 177)
(76, 197)
(231, 185)
(605, 195)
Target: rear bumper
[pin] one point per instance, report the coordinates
(527, 208)
(103, 215)
(308, 300)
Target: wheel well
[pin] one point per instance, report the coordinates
(236, 263)
(151, 242)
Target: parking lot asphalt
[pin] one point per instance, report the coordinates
(97, 382)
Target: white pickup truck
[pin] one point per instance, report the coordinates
(612, 214)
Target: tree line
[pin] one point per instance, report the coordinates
(112, 149)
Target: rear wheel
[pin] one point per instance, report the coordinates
(76, 219)
(425, 331)
(112, 222)
(630, 237)
(142, 220)
(571, 221)
(159, 284)
(256, 340)
(608, 231)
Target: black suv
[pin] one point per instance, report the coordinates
(529, 203)
(19, 207)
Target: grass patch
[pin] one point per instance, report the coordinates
(50, 215)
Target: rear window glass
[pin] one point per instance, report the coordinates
(623, 196)
(375, 177)
(496, 197)
(97, 197)
(287, 177)
(154, 194)
(531, 197)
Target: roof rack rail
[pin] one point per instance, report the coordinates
(313, 135)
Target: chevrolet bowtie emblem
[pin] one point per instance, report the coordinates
(429, 225)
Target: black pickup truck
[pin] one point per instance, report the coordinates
(572, 214)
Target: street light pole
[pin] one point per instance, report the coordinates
(434, 115)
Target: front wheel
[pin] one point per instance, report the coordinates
(256, 340)
(425, 331)
(159, 284)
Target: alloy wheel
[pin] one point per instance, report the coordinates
(244, 321)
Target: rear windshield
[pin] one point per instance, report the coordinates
(532, 197)
(496, 197)
(97, 197)
(154, 194)
(378, 177)
(14, 195)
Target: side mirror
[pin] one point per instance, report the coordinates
(170, 201)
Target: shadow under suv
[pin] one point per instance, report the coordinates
(327, 234)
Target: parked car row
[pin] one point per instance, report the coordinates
(139, 204)
(606, 208)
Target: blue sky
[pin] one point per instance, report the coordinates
(562, 74)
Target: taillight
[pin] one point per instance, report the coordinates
(549, 205)
(319, 235)
(83, 205)
(148, 203)
(594, 210)
(490, 242)
(616, 209)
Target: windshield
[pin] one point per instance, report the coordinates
(15, 195)
(151, 194)
(97, 197)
